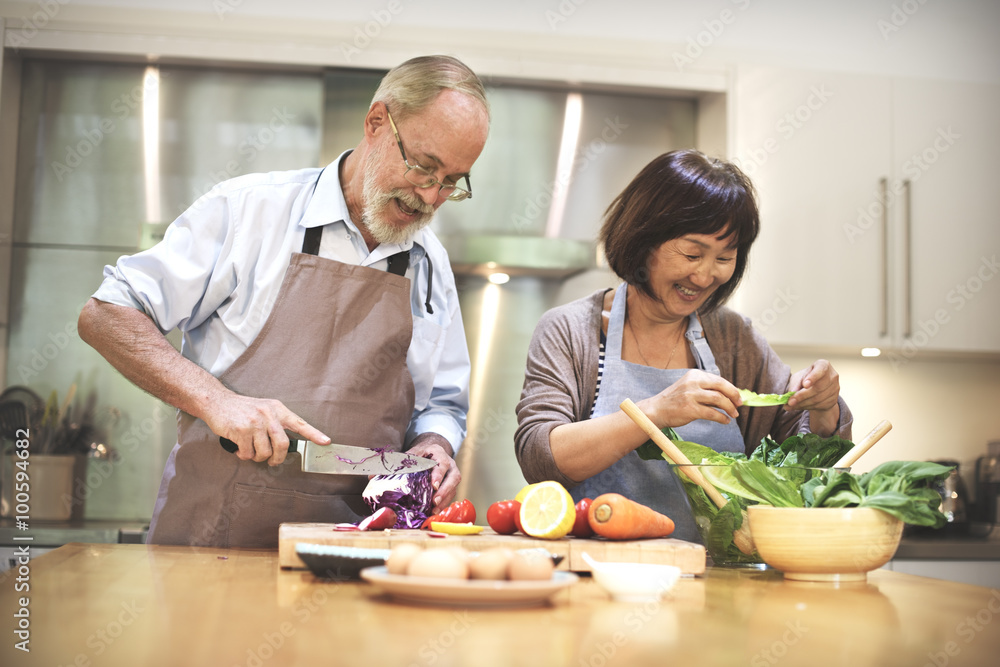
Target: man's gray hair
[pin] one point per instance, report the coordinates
(412, 86)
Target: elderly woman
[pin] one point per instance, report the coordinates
(678, 236)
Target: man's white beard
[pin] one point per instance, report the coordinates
(377, 201)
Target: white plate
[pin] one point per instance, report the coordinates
(469, 593)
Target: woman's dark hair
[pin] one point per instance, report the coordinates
(678, 193)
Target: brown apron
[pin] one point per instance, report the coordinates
(333, 350)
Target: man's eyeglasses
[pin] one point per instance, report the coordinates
(423, 178)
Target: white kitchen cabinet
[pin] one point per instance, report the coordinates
(815, 145)
(836, 158)
(946, 143)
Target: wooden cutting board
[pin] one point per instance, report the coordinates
(689, 557)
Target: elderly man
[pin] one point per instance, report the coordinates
(313, 301)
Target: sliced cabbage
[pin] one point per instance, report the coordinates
(409, 495)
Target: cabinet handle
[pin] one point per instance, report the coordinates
(907, 264)
(883, 186)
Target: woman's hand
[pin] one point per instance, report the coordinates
(697, 395)
(817, 389)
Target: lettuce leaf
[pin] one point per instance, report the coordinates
(648, 451)
(752, 399)
(716, 526)
(727, 478)
(770, 487)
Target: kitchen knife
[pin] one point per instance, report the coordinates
(347, 460)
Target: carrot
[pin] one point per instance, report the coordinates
(615, 517)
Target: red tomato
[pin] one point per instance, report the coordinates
(470, 513)
(517, 519)
(581, 527)
(502, 516)
(460, 511)
(465, 512)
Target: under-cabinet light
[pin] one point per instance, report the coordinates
(499, 278)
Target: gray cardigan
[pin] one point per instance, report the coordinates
(560, 381)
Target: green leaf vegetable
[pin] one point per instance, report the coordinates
(754, 400)
(648, 451)
(903, 489)
(798, 473)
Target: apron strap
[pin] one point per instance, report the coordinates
(398, 263)
(310, 245)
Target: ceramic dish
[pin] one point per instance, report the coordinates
(467, 593)
(633, 582)
(334, 562)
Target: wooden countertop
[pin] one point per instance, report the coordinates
(122, 604)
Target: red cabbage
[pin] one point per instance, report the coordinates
(409, 495)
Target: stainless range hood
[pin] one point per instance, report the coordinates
(488, 254)
(553, 162)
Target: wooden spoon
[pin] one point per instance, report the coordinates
(859, 448)
(741, 537)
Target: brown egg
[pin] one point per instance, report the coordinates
(460, 553)
(400, 557)
(531, 565)
(491, 563)
(446, 563)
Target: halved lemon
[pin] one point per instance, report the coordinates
(523, 492)
(547, 511)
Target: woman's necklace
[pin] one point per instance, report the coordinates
(638, 348)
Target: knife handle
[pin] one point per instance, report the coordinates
(232, 447)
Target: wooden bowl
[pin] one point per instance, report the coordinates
(824, 543)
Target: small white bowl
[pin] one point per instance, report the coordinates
(633, 582)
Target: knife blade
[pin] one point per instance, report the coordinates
(334, 459)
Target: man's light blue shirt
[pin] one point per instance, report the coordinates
(217, 272)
